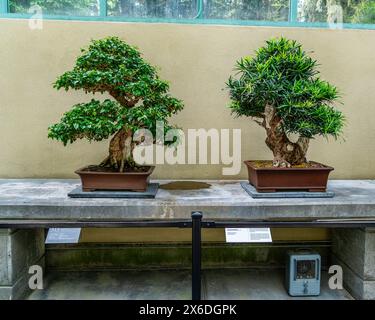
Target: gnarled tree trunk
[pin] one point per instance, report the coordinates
(120, 150)
(285, 152)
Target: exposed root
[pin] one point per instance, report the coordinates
(105, 163)
(122, 165)
(280, 163)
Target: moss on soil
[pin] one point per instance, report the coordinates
(268, 164)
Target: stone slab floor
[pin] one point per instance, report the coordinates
(220, 284)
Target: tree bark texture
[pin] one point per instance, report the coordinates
(120, 150)
(285, 152)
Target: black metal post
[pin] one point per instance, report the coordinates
(196, 254)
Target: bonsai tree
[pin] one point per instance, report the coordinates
(139, 99)
(280, 90)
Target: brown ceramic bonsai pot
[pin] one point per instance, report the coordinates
(104, 180)
(312, 178)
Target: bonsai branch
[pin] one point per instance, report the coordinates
(123, 99)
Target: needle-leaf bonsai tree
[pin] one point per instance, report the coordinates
(279, 88)
(139, 99)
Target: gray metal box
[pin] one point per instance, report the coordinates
(303, 273)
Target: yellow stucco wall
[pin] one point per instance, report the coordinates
(171, 235)
(197, 60)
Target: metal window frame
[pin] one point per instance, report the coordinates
(103, 9)
(4, 9)
(198, 19)
(293, 11)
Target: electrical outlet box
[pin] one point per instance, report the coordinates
(303, 273)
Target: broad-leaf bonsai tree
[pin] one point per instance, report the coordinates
(139, 99)
(279, 88)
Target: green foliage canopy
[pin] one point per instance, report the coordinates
(281, 74)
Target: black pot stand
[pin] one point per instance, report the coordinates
(150, 193)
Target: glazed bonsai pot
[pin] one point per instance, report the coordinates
(105, 180)
(312, 178)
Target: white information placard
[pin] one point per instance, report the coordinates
(63, 235)
(248, 235)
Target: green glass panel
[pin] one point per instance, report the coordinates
(337, 11)
(56, 7)
(266, 10)
(176, 9)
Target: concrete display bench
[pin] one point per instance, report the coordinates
(29, 206)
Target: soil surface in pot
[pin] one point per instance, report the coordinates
(185, 185)
(109, 169)
(268, 164)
